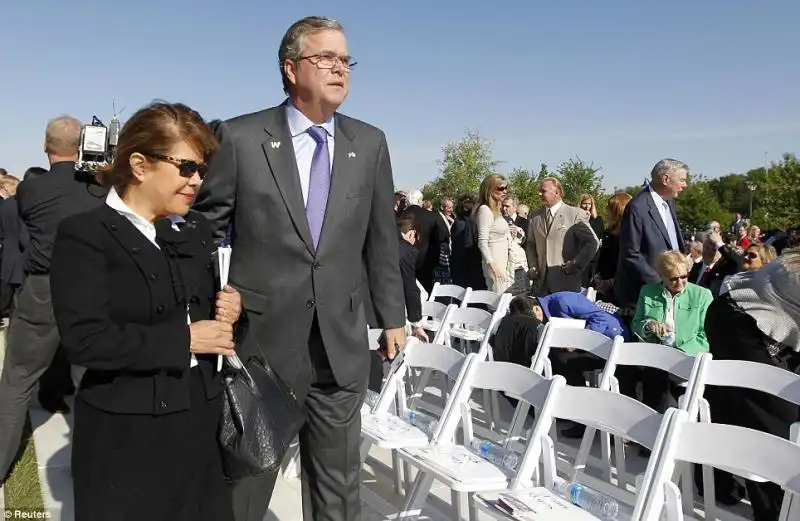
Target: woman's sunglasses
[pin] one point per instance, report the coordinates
(751, 255)
(186, 167)
(502, 188)
(679, 277)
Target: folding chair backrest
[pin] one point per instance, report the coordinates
(440, 290)
(738, 450)
(485, 297)
(752, 375)
(470, 317)
(569, 338)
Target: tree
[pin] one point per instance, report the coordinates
(578, 177)
(464, 165)
(778, 190)
(697, 205)
(524, 184)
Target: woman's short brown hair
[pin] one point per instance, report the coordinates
(154, 130)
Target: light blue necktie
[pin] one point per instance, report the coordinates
(319, 183)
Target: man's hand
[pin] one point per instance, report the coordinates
(395, 340)
(570, 267)
(533, 273)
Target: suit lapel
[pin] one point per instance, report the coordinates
(283, 165)
(655, 214)
(344, 155)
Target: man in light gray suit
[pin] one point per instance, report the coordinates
(309, 193)
(560, 242)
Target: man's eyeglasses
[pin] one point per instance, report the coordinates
(186, 167)
(679, 277)
(329, 60)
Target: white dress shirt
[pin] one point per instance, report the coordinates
(666, 218)
(145, 227)
(553, 210)
(304, 145)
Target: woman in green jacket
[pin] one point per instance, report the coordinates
(673, 312)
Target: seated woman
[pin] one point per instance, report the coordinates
(135, 300)
(672, 312)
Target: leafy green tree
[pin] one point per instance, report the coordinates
(778, 191)
(525, 184)
(464, 165)
(578, 177)
(697, 205)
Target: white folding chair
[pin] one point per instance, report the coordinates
(735, 449)
(384, 425)
(432, 316)
(561, 337)
(449, 291)
(600, 409)
(740, 374)
(456, 465)
(675, 362)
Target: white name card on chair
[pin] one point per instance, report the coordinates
(567, 323)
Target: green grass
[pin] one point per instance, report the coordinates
(22, 489)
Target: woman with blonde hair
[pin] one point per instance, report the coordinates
(588, 205)
(493, 233)
(757, 255)
(673, 312)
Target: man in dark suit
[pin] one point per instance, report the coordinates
(718, 262)
(310, 193)
(428, 240)
(32, 335)
(649, 228)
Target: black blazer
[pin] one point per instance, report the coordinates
(643, 238)
(408, 261)
(730, 263)
(120, 304)
(14, 238)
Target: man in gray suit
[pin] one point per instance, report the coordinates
(309, 193)
(560, 242)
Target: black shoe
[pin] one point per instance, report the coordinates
(574, 432)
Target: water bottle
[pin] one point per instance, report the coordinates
(422, 421)
(496, 454)
(371, 399)
(669, 338)
(592, 501)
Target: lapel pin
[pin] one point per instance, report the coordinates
(275, 144)
(351, 154)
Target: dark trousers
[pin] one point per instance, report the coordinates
(329, 449)
(56, 382)
(32, 342)
(734, 335)
(572, 364)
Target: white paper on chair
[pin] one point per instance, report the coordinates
(224, 259)
(535, 504)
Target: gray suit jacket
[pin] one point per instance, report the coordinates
(253, 185)
(570, 239)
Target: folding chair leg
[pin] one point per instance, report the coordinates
(457, 500)
(397, 466)
(415, 499)
(366, 445)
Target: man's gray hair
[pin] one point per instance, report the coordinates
(712, 223)
(294, 41)
(514, 200)
(63, 136)
(668, 167)
(695, 246)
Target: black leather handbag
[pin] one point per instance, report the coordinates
(260, 419)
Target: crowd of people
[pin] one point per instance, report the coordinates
(732, 294)
(109, 286)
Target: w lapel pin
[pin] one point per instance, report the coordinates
(275, 144)
(351, 154)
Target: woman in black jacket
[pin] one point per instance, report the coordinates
(134, 297)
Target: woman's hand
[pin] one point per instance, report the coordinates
(229, 305)
(497, 274)
(211, 337)
(657, 328)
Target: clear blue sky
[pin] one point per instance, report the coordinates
(619, 83)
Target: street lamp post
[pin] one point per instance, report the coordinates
(752, 188)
